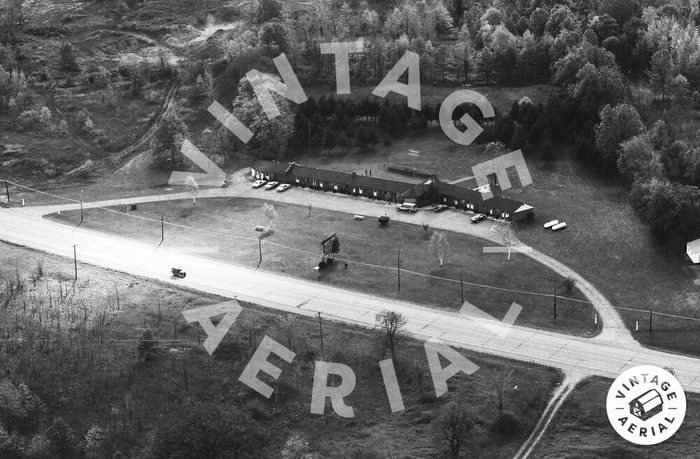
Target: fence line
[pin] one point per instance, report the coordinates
(360, 263)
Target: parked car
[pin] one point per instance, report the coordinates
(440, 208)
(283, 187)
(271, 185)
(407, 207)
(478, 218)
(258, 183)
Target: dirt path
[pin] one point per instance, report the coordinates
(571, 379)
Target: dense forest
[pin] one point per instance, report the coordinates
(620, 72)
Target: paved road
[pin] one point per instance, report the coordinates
(604, 355)
(613, 330)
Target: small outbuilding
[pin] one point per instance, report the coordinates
(693, 251)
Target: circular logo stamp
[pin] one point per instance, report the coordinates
(646, 405)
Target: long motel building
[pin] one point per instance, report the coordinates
(430, 192)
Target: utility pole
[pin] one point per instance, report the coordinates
(555, 303)
(7, 190)
(651, 317)
(320, 329)
(461, 286)
(75, 262)
(81, 207)
(260, 250)
(398, 268)
(162, 229)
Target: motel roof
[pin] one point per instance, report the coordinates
(270, 167)
(406, 190)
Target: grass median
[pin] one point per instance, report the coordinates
(224, 229)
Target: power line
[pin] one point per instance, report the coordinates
(359, 263)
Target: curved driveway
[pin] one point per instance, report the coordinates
(607, 354)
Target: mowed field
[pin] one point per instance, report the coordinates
(605, 241)
(226, 231)
(581, 430)
(609, 245)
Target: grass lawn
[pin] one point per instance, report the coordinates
(605, 242)
(608, 244)
(360, 242)
(87, 371)
(581, 429)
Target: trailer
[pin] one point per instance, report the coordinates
(548, 225)
(559, 226)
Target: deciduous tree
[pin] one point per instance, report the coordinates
(617, 124)
(440, 245)
(392, 325)
(170, 133)
(455, 425)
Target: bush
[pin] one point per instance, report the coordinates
(148, 345)
(68, 58)
(507, 424)
(569, 283)
(257, 410)
(28, 119)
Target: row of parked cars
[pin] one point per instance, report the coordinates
(410, 207)
(271, 185)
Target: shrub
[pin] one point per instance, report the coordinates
(28, 119)
(257, 410)
(68, 58)
(62, 438)
(569, 284)
(507, 424)
(148, 345)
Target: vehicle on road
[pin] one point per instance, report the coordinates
(178, 272)
(271, 185)
(407, 207)
(478, 218)
(283, 187)
(258, 183)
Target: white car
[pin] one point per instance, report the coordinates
(407, 207)
(271, 185)
(478, 218)
(283, 187)
(258, 183)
